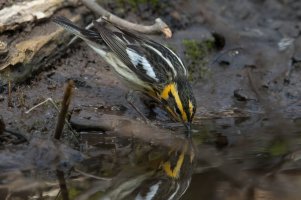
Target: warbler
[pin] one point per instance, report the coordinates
(146, 65)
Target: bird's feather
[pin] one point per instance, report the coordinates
(152, 62)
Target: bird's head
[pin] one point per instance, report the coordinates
(179, 101)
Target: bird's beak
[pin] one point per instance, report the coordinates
(188, 131)
(188, 125)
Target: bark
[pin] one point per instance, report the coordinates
(33, 53)
(21, 13)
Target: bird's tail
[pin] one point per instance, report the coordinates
(71, 27)
(92, 37)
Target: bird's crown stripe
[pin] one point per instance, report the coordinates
(175, 172)
(171, 88)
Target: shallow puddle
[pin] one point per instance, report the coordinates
(223, 159)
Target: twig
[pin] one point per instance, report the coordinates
(64, 110)
(63, 185)
(92, 176)
(158, 26)
(252, 84)
(235, 51)
(39, 104)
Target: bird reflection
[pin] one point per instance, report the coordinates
(150, 172)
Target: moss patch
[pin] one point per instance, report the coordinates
(196, 56)
(278, 147)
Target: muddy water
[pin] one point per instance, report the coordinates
(245, 141)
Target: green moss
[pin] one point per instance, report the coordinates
(97, 195)
(196, 56)
(278, 147)
(73, 192)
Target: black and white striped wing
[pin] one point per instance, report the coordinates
(173, 61)
(150, 61)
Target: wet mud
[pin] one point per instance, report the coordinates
(244, 62)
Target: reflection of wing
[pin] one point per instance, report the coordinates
(169, 180)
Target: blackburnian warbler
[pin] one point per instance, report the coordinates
(146, 65)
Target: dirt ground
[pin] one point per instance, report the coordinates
(246, 136)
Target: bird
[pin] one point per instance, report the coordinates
(144, 64)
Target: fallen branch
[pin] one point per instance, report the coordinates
(158, 26)
(124, 127)
(33, 54)
(21, 13)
